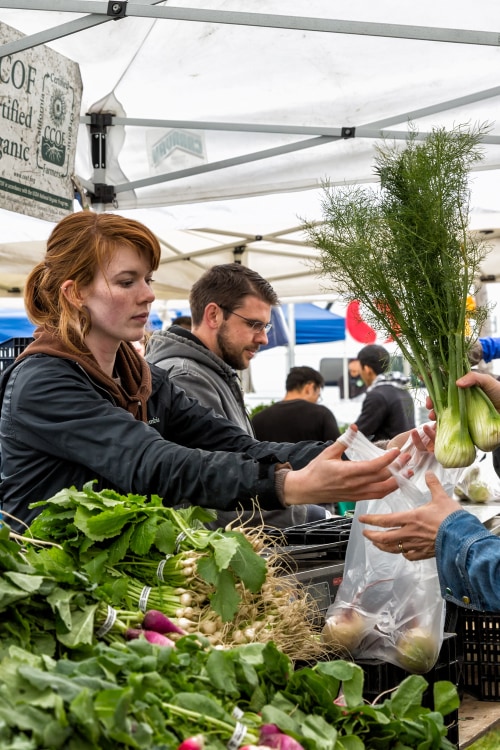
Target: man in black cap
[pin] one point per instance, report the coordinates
(388, 407)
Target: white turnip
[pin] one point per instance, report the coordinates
(417, 649)
(345, 629)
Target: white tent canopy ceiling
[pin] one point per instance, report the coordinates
(189, 109)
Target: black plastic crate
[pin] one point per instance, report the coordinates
(319, 532)
(479, 642)
(380, 676)
(10, 349)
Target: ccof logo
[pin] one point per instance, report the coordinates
(53, 145)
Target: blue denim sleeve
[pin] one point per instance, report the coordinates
(468, 562)
(491, 348)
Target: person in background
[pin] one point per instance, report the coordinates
(184, 321)
(230, 306)
(298, 416)
(356, 386)
(467, 554)
(81, 405)
(388, 407)
(485, 349)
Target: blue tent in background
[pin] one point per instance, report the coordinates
(313, 325)
(14, 324)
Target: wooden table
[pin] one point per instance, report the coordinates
(476, 718)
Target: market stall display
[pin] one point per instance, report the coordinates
(70, 680)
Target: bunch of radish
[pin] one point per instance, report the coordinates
(156, 628)
(270, 738)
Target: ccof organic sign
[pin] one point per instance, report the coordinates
(40, 96)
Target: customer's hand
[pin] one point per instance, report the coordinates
(327, 478)
(412, 532)
(422, 444)
(489, 384)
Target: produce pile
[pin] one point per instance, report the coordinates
(70, 678)
(112, 558)
(406, 254)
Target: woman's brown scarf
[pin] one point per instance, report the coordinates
(133, 390)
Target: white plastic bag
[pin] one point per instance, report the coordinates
(388, 607)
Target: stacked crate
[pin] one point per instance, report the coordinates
(479, 641)
(10, 349)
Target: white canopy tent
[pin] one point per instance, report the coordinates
(221, 118)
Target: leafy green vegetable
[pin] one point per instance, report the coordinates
(105, 533)
(142, 696)
(406, 253)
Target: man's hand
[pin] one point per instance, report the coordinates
(412, 532)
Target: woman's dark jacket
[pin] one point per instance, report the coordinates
(59, 428)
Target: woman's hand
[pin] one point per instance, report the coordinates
(328, 479)
(412, 532)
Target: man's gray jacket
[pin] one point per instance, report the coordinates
(202, 374)
(205, 376)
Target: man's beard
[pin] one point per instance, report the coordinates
(232, 358)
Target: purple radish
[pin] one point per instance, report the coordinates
(160, 623)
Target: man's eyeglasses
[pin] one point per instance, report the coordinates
(256, 325)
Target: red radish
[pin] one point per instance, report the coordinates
(267, 729)
(160, 623)
(133, 633)
(150, 635)
(157, 638)
(197, 742)
(272, 737)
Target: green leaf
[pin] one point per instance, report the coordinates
(25, 582)
(349, 674)
(321, 732)
(226, 599)
(60, 602)
(446, 698)
(202, 704)
(82, 628)
(10, 594)
(208, 570)
(119, 548)
(408, 695)
(165, 537)
(224, 550)
(104, 525)
(144, 535)
(221, 671)
(287, 724)
(248, 566)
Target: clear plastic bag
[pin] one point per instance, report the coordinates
(388, 607)
(478, 483)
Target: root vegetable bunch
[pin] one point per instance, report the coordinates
(227, 585)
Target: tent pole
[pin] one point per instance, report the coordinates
(291, 341)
